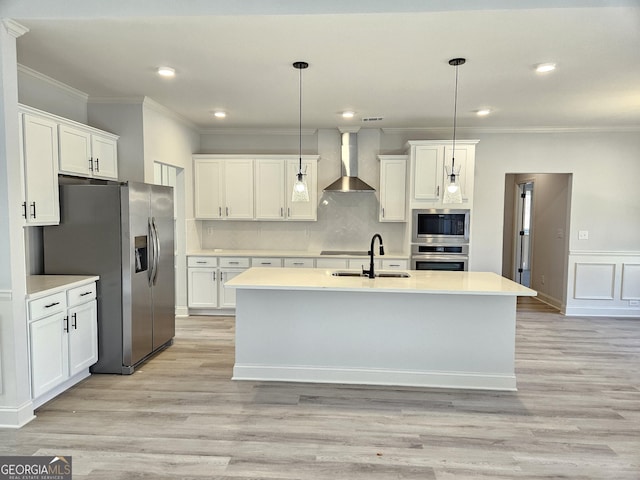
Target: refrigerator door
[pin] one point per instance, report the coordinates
(137, 318)
(163, 279)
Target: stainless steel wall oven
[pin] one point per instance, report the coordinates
(440, 239)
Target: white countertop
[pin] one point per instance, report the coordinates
(421, 281)
(222, 252)
(38, 285)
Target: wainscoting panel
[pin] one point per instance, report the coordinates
(595, 281)
(603, 284)
(631, 281)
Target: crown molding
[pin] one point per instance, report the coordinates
(137, 100)
(14, 28)
(258, 131)
(74, 92)
(471, 130)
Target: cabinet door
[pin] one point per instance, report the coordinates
(228, 294)
(40, 153)
(238, 189)
(270, 189)
(464, 159)
(75, 150)
(207, 188)
(49, 353)
(302, 210)
(83, 337)
(428, 173)
(104, 152)
(393, 174)
(203, 288)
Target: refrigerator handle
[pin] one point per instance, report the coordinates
(152, 253)
(156, 250)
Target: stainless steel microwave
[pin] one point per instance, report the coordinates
(440, 225)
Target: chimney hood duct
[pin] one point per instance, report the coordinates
(349, 181)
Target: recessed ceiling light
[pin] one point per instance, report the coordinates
(166, 72)
(545, 67)
(219, 114)
(483, 112)
(348, 114)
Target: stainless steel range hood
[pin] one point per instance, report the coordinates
(349, 181)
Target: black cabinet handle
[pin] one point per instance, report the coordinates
(75, 323)
(33, 209)
(97, 164)
(66, 324)
(52, 305)
(91, 164)
(24, 209)
(86, 293)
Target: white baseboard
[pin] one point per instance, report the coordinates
(457, 380)
(182, 311)
(602, 312)
(16, 417)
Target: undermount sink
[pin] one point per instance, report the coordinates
(347, 273)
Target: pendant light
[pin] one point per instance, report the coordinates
(453, 194)
(300, 190)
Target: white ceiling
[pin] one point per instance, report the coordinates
(390, 60)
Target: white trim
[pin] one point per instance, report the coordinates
(52, 81)
(182, 311)
(14, 28)
(16, 417)
(605, 288)
(508, 130)
(366, 376)
(137, 100)
(257, 131)
(601, 253)
(603, 312)
(6, 295)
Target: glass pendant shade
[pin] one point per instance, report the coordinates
(453, 192)
(300, 190)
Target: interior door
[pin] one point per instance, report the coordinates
(523, 240)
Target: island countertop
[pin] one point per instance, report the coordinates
(420, 281)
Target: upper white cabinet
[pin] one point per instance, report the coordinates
(255, 188)
(428, 173)
(393, 180)
(39, 151)
(223, 188)
(87, 153)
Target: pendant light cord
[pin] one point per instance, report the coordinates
(300, 129)
(455, 119)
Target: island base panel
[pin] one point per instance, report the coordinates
(430, 340)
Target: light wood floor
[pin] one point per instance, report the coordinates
(576, 415)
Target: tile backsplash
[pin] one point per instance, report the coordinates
(346, 221)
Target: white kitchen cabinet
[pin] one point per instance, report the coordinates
(428, 174)
(298, 262)
(63, 339)
(223, 188)
(302, 211)
(363, 263)
(203, 287)
(207, 277)
(327, 262)
(270, 189)
(87, 152)
(275, 178)
(395, 264)
(39, 152)
(393, 179)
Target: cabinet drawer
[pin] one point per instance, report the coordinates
(202, 262)
(82, 294)
(399, 264)
(298, 262)
(364, 263)
(234, 262)
(48, 305)
(266, 262)
(331, 263)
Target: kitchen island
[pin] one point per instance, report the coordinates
(433, 329)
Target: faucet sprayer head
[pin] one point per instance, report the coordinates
(381, 250)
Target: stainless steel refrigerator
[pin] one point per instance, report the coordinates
(124, 233)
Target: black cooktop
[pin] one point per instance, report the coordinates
(352, 253)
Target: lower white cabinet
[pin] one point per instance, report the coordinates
(207, 278)
(63, 339)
